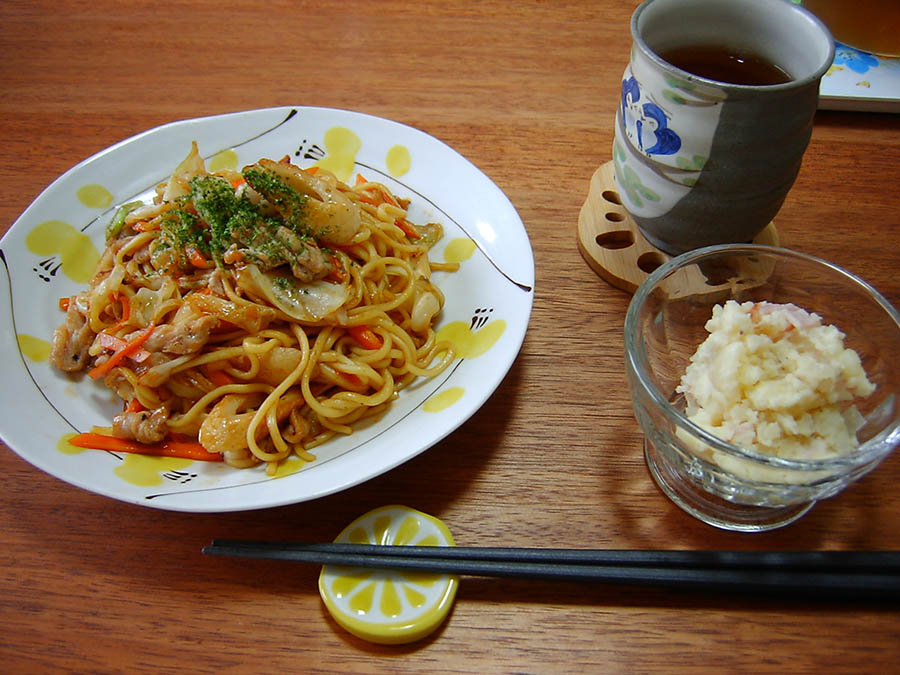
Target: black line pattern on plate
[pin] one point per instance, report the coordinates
(480, 317)
(291, 114)
(12, 319)
(182, 477)
(46, 269)
(312, 151)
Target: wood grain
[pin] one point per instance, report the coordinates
(527, 90)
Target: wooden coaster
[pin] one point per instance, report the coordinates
(613, 245)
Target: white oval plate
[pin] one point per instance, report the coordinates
(492, 294)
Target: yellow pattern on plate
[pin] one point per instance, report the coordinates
(94, 196)
(459, 250)
(471, 344)
(35, 348)
(342, 145)
(444, 399)
(77, 253)
(146, 471)
(398, 160)
(390, 606)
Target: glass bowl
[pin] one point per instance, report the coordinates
(722, 484)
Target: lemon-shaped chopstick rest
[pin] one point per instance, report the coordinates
(390, 606)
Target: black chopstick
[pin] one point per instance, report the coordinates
(854, 572)
(821, 560)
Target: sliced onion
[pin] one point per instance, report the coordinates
(190, 166)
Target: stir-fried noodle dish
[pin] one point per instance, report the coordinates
(250, 316)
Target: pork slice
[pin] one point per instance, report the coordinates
(146, 426)
(183, 337)
(73, 338)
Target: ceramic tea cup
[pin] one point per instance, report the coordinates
(699, 159)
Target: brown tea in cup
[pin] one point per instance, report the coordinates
(725, 64)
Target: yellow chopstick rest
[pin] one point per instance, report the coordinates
(390, 606)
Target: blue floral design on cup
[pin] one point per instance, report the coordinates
(646, 122)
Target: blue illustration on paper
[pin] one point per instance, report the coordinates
(854, 59)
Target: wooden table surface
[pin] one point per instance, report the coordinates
(527, 91)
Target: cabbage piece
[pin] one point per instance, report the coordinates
(311, 301)
(146, 302)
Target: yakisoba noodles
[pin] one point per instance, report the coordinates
(254, 313)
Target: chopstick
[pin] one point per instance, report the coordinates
(846, 572)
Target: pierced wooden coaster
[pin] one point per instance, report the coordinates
(613, 245)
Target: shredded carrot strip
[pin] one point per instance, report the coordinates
(114, 344)
(219, 377)
(352, 378)
(196, 257)
(64, 304)
(366, 199)
(408, 229)
(134, 406)
(386, 196)
(130, 348)
(126, 314)
(126, 307)
(365, 336)
(110, 342)
(170, 447)
(337, 272)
